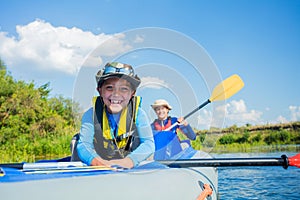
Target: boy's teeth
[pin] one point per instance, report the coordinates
(115, 102)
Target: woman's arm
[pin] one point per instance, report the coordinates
(186, 128)
(188, 131)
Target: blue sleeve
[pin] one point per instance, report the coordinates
(85, 146)
(188, 131)
(146, 147)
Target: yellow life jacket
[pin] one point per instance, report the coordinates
(110, 145)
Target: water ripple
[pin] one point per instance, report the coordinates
(267, 182)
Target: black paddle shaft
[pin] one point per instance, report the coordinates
(196, 109)
(227, 162)
(13, 165)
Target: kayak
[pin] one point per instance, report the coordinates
(56, 179)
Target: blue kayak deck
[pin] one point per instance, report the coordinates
(17, 175)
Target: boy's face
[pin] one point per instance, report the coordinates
(161, 112)
(116, 94)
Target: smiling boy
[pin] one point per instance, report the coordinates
(115, 131)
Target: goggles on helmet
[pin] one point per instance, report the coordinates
(109, 69)
(117, 69)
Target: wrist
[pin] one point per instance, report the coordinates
(97, 161)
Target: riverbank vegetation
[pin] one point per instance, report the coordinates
(271, 137)
(35, 126)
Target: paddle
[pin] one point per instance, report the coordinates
(43, 165)
(284, 161)
(222, 91)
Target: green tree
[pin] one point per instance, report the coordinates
(227, 139)
(244, 138)
(31, 123)
(278, 137)
(256, 138)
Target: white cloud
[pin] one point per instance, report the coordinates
(236, 107)
(39, 45)
(139, 39)
(294, 116)
(281, 119)
(234, 112)
(205, 119)
(153, 82)
(295, 113)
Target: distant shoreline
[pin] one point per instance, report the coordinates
(255, 149)
(248, 138)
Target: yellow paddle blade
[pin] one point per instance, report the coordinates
(227, 88)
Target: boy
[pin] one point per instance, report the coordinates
(116, 130)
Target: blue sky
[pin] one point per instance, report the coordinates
(54, 41)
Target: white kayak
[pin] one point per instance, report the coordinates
(67, 180)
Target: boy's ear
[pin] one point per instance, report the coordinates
(99, 90)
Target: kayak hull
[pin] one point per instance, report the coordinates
(147, 184)
(149, 181)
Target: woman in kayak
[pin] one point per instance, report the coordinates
(164, 121)
(115, 131)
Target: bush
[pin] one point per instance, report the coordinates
(31, 123)
(257, 138)
(227, 139)
(281, 137)
(244, 138)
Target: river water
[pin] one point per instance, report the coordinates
(266, 182)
